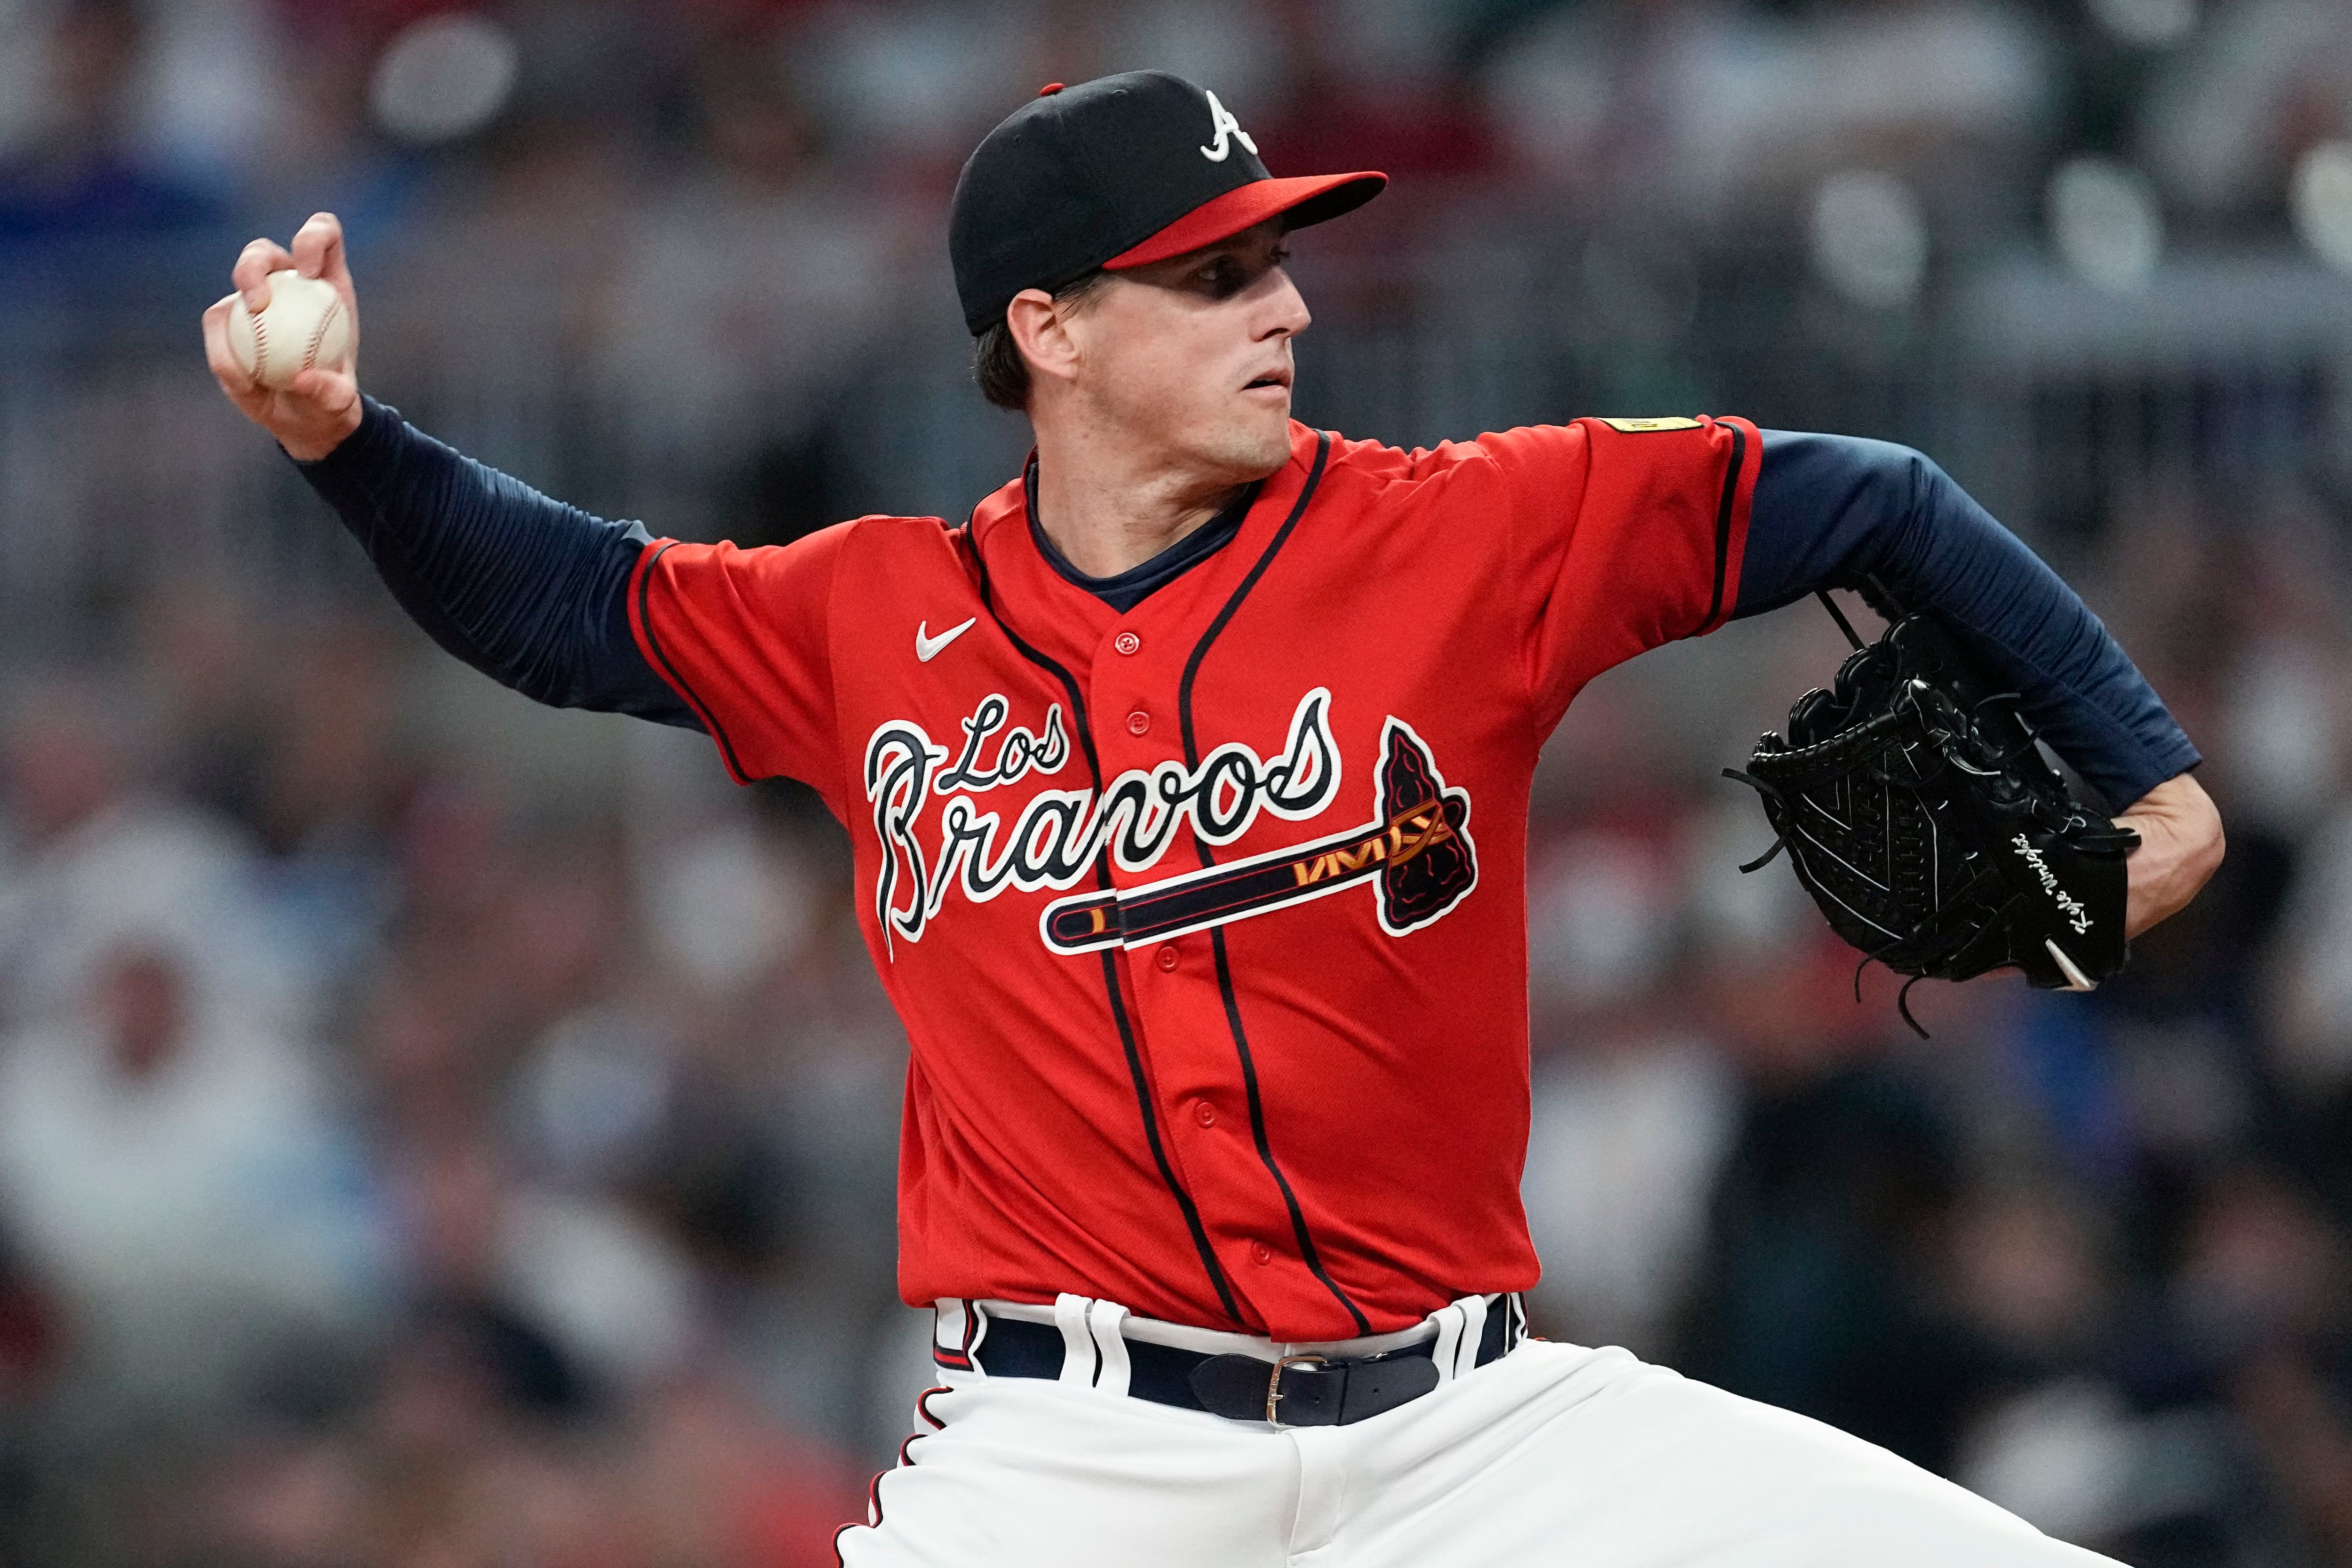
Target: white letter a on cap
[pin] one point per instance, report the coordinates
(1221, 121)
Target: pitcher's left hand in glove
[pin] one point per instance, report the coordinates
(1923, 819)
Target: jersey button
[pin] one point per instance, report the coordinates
(1127, 642)
(1139, 723)
(1168, 957)
(1204, 1113)
(1262, 1252)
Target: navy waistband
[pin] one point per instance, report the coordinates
(1313, 1391)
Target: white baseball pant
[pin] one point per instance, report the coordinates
(1553, 1454)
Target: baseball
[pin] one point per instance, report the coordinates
(304, 325)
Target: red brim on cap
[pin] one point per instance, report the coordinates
(1309, 199)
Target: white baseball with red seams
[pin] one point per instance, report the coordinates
(303, 325)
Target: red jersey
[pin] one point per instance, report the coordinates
(1207, 921)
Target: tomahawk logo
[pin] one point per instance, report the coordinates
(1415, 852)
(1221, 121)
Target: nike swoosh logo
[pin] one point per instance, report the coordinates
(927, 648)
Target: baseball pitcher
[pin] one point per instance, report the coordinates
(1188, 779)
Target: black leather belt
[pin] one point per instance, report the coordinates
(1296, 1391)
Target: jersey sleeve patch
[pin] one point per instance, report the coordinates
(1638, 427)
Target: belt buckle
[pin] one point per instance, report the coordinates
(1274, 1381)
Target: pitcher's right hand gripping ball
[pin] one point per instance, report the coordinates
(318, 403)
(1926, 824)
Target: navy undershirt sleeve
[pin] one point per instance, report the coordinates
(1830, 510)
(530, 592)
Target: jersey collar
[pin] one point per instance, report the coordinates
(1123, 590)
(1030, 594)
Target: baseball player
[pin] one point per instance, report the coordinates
(1188, 780)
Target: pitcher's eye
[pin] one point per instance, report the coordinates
(1224, 278)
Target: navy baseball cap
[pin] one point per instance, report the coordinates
(1116, 173)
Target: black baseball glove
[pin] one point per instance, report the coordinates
(1923, 820)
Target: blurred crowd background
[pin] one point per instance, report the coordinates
(437, 1132)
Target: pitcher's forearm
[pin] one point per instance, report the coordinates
(528, 590)
(1831, 509)
(2180, 847)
